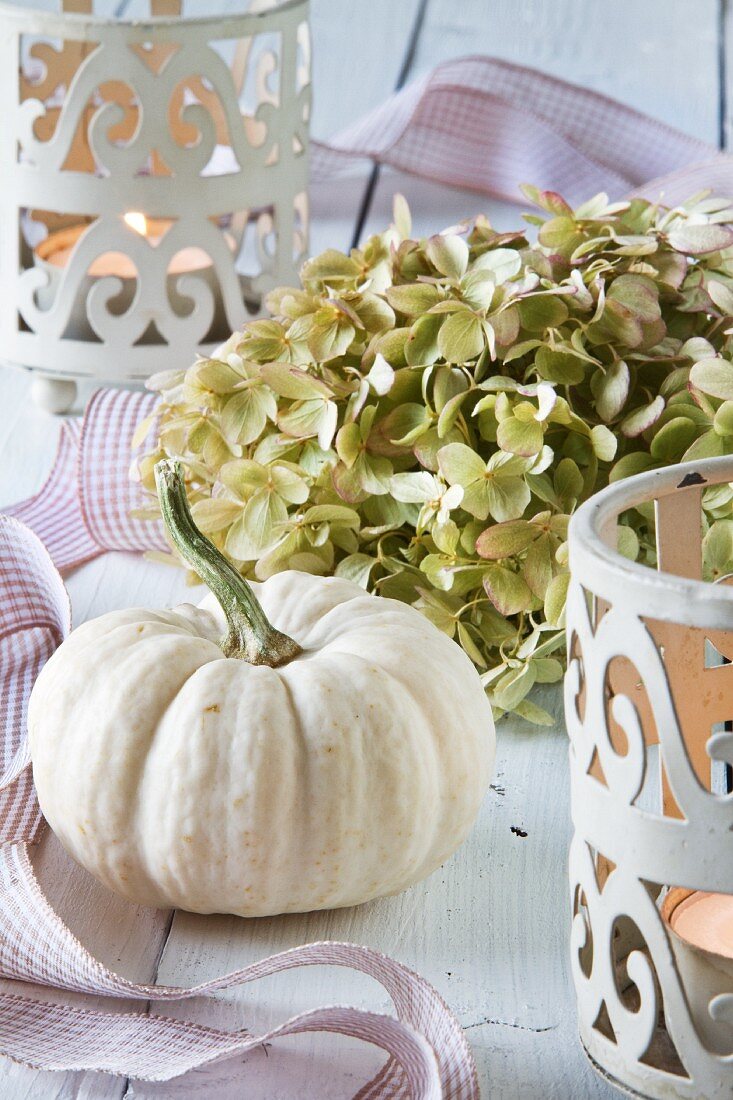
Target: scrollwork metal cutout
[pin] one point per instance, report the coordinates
(640, 704)
(111, 118)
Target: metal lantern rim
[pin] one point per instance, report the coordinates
(25, 14)
(656, 594)
(126, 115)
(647, 699)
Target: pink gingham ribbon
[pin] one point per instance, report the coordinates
(489, 125)
(476, 122)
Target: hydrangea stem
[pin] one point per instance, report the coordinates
(251, 636)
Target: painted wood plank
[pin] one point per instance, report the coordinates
(501, 964)
(352, 72)
(356, 56)
(489, 930)
(475, 929)
(101, 7)
(125, 937)
(355, 67)
(434, 206)
(116, 933)
(520, 1051)
(334, 207)
(726, 64)
(660, 56)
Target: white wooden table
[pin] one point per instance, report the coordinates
(489, 929)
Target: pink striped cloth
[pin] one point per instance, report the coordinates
(489, 125)
(477, 123)
(74, 514)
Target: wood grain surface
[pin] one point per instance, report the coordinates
(490, 928)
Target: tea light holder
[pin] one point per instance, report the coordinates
(648, 702)
(154, 184)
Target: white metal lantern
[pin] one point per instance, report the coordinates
(648, 696)
(154, 183)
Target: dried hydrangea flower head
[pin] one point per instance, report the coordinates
(423, 416)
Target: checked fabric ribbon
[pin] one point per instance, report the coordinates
(475, 122)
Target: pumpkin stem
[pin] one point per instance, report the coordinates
(251, 636)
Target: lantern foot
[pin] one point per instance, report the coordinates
(55, 395)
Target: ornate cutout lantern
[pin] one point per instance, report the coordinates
(649, 698)
(154, 184)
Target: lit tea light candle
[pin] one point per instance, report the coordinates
(53, 255)
(701, 935)
(706, 921)
(56, 249)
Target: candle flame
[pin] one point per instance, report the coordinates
(137, 221)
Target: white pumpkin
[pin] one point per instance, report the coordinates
(179, 776)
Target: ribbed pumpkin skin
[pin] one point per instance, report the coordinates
(181, 778)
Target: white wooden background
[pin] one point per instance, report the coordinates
(489, 929)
